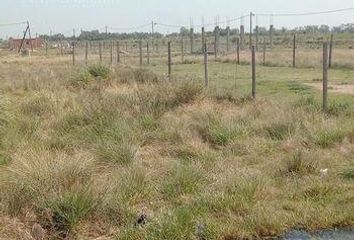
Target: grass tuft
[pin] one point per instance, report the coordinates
(99, 70)
(327, 138)
(300, 164)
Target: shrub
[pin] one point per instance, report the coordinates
(99, 70)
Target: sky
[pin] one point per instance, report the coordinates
(65, 15)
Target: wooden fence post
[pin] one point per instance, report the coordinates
(257, 37)
(238, 50)
(242, 34)
(169, 60)
(325, 77)
(228, 39)
(294, 51)
(271, 36)
(100, 50)
(73, 53)
(140, 53)
(148, 52)
(217, 41)
(111, 54)
(206, 78)
(192, 40)
(86, 53)
(203, 37)
(46, 48)
(330, 52)
(253, 72)
(118, 52)
(182, 49)
(264, 51)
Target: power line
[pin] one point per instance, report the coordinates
(306, 13)
(12, 24)
(130, 28)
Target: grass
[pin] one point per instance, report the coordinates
(87, 159)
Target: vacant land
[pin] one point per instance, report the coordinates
(123, 153)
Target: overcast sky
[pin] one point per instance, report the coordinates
(64, 15)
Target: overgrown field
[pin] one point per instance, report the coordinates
(124, 153)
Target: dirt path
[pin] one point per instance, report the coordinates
(345, 88)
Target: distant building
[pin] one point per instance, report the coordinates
(16, 43)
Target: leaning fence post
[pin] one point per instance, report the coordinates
(330, 52)
(169, 60)
(206, 78)
(253, 72)
(325, 77)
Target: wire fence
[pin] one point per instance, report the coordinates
(227, 50)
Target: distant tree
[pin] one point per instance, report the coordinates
(184, 31)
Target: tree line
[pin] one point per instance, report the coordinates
(96, 35)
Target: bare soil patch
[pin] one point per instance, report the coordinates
(335, 88)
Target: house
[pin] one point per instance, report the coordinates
(16, 43)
